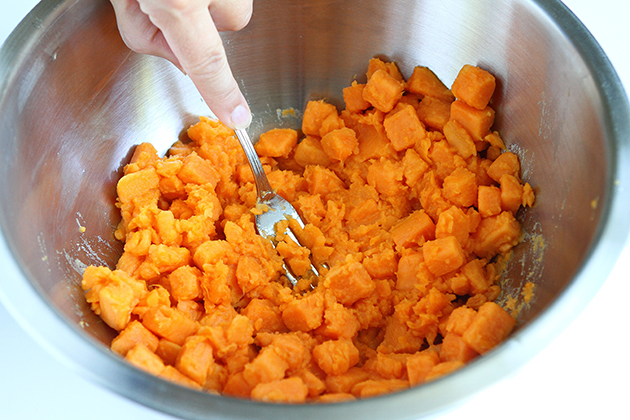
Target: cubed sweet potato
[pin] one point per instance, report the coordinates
(404, 128)
(489, 327)
(383, 91)
(474, 86)
(340, 144)
(314, 115)
(353, 98)
(415, 229)
(443, 255)
(349, 282)
(476, 121)
(424, 82)
(277, 142)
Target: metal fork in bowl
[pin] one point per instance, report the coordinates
(277, 209)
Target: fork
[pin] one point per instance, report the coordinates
(277, 209)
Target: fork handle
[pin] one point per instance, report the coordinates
(263, 187)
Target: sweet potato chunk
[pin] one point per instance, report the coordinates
(335, 357)
(474, 86)
(424, 82)
(169, 323)
(443, 255)
(353, 98)
(133, 334)
(310, 152)
(476, 121)
(383, 91)
(490, 326)
(290, 390)
(195, 358)
(433, 112)
(458, 137)
(496, 234)
(314, 115)
(340, 144)
(460, 187)
(278, 142)
(404, 128)
(416, 229)
(349, 282)
(304, 314)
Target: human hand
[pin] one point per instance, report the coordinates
(186, 32)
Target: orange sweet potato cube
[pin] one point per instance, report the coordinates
(309, 151)
(506, 163)
(489, 327)
(339, 322)
(404, 128)
(168, 351)
(424, 82)
(496, 234)
(349, 282)
(344, 382)
(460, 319)
(443, 369)
(133, 334)
(353, 98)
(476, 275)
(511, 193)
(195, 358)
(143, 358)
(169, 323)
(197, 170)
(460, 187)
(412, 272)
(185, 283)
(340, 144)
(391, 68)
(314, 115)
(383, 91)
(381, 265)
(474, 86)
(291, 390)
(415, 229)
(476, 121)
(443, 255)
(304, 314)
(322, 181)
(170, 373)
(454, 222)
(420, 364)
(330, 123)
(277, 142)
(489, 200)
(387, 177)
(335, 357)
(434, 112)
(265, 316)
(458, 137)
(266, 367)
(454, 348)
(141, 186)
(143, 155)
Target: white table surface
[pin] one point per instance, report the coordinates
(585, 370)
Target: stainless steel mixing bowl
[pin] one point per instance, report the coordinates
(74, 101)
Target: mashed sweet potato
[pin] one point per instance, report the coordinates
(408, 198)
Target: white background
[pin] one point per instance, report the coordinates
(583, 374)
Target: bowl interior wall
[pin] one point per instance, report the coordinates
(80, 100)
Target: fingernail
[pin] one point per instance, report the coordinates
(241, 117)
